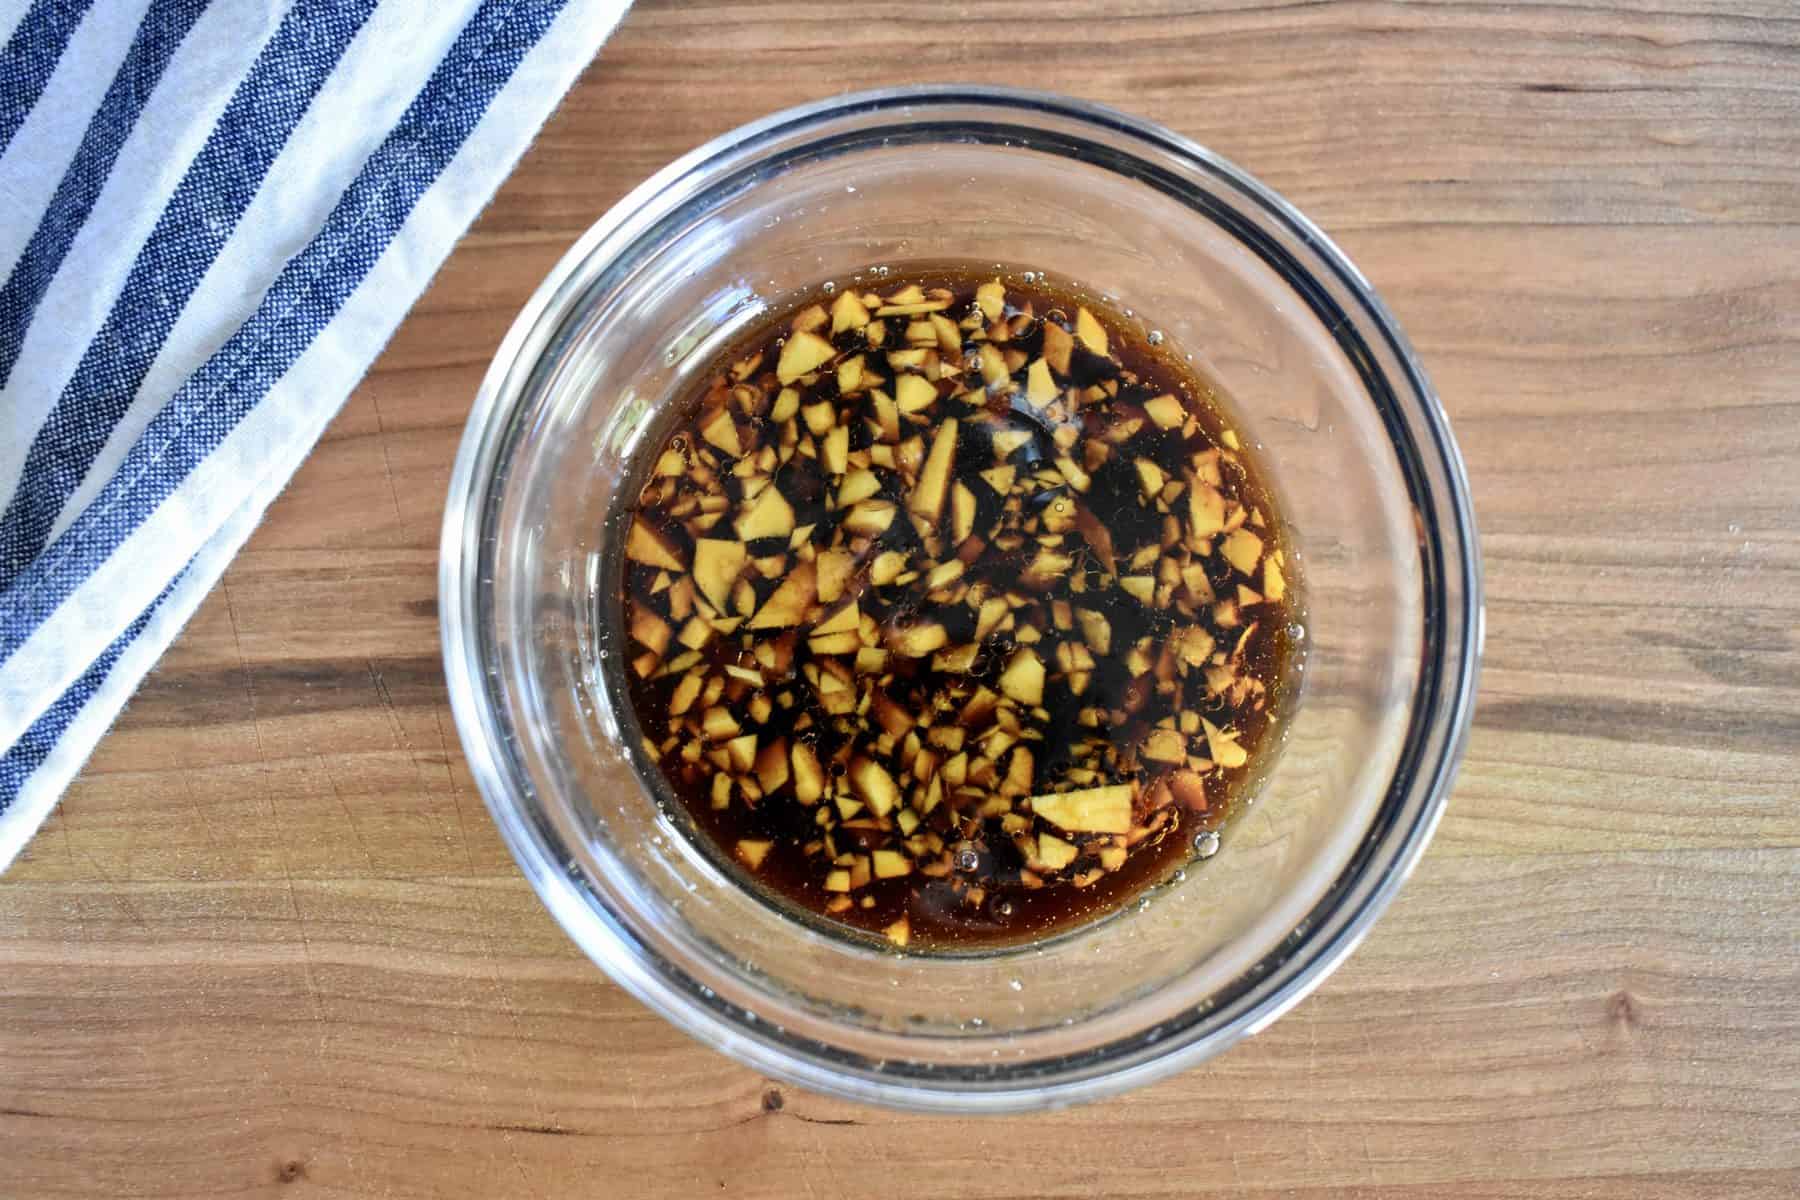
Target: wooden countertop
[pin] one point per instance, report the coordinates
(270, 942)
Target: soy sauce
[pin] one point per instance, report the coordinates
(959, 612)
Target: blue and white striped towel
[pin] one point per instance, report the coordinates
(212, 217)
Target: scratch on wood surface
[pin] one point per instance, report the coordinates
(462, 827)
(1237, 1165)
(509, 1010)
(403, 742)
(391, 711)
(117, 893)
(504, 1129)
(315, 1000)
(1370, 1054)
(198, 809)
(822, 1154)
(279, 825)
(512, 1150)
(387, 465)
(320, 1024)
(473, 1072)
(525, 1127)
(631, 1086)
(349, 817)
(243, 665)
(60, 817)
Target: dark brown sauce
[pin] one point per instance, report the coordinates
(1135, 547)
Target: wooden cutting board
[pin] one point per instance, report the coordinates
(271, 944)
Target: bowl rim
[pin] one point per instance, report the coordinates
(1424, 773)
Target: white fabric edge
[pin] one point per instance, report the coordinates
(365, 324)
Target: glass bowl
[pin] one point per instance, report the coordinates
(1315, 373)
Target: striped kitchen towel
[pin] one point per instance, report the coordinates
(212, 217)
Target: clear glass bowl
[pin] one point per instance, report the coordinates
(1318, 376)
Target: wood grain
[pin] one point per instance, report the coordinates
(271, 944)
